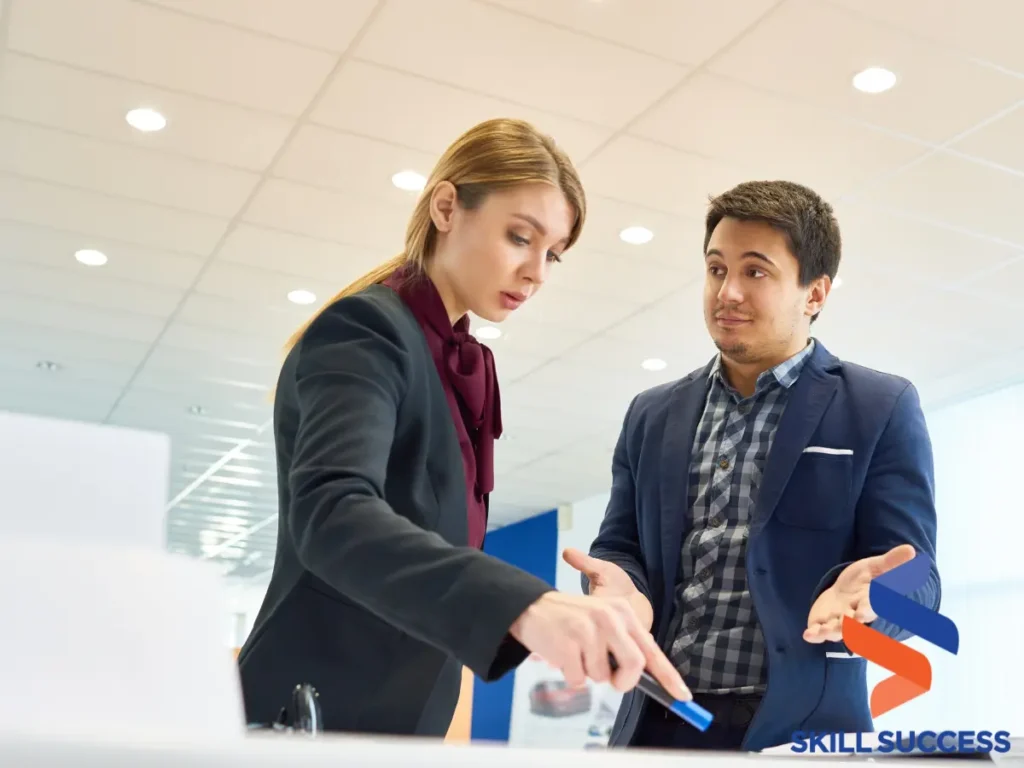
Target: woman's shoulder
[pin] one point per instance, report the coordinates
(376, 312)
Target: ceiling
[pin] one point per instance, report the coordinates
(287, 122)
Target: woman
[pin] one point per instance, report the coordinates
(385, 417)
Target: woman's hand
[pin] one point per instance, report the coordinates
(576, 634)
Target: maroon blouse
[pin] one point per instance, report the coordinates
(467, 371)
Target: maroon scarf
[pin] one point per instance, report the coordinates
(465, 366)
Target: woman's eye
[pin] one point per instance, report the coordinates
(518, 240)
(556, 257)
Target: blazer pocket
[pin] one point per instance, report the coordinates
(817, 496)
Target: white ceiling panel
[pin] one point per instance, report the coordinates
(940, 93)
(321, 157)
(51, 248)
(369, 100)
(91, 104)
(153, 45)
(960, 193)
(62, 285)
(79, 318)
(712, 116)
(658, 177)
(684, 31)
(327, 215)
(91, 213)
(997, 141)
(517, 58)
(299, 256)
(325, 24)
(285, 124)
(113, 169)
(986, 30)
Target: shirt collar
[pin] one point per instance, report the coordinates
(785, 373)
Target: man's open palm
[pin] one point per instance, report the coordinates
(849, 596)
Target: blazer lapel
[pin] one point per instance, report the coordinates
(808, 399)
(684, 411)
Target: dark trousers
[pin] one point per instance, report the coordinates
(660, 729)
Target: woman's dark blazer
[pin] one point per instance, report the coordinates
(375, 597)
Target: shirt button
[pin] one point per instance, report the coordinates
(705, 574)
(723, 463)
(715, 522)
(693, 622)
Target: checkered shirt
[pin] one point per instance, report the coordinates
(718, 645)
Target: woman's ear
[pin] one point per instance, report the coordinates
(443, 201)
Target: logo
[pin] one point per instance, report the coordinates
(912, 672)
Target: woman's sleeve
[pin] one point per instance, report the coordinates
(351, 374)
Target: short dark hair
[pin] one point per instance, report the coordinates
(799, 213)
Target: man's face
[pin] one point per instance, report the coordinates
(754, 306)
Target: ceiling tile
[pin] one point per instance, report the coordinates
(325, 24)
(959, 193)
(654, 176)
(789, 55)
(80, 318)
(42, 247)
(101, 293)
(90, 213)
(357, 166)
(997, 142)
(686, 31)
(987, 30)
(58, 96)
(171, 50)
(881, 244)
(317, 213)
(678, 240)
(772, 137)
(374, 101)
(485, 51)
(113, 169)
(306, 257)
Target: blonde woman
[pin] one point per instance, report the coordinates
(386, 414)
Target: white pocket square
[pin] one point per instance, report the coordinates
(830, 451)
(840, 655)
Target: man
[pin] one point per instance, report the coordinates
(754, 500)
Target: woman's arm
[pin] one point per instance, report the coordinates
(351, 374)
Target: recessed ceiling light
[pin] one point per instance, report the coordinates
(837, 282)
(636, 235)
(488, 332)
(874, 80)
(91, 258)
(654, 364)
(48, 365)
(301, 297)
(409, 181)
(196, 410)
(146, 120)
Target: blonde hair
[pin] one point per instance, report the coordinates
(494, 155)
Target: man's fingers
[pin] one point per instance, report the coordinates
(581, 562)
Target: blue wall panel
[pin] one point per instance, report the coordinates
(533, 546)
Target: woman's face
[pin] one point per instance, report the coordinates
(492, 259)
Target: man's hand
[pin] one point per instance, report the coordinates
(608, 580)
(577, 633)
(849, 595)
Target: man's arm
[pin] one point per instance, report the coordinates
(897, 504)
(618, 540)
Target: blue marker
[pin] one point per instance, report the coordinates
(689, 711)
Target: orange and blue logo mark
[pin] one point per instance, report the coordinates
(912, 672)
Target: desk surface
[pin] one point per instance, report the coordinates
(284, 751)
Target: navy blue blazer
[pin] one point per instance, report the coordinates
(816, 512)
